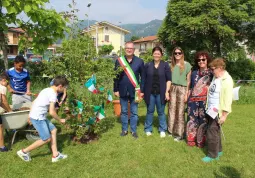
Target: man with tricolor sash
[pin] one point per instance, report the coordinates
(128, 86)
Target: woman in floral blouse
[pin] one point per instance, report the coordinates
(201, 78)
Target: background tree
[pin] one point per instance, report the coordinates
(133, 38)
(45, 26)
(106, 49)
(213, 25)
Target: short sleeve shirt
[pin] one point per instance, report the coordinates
(178, 77)
(18, 80)
(214, 93)
(41, 104)
(2, 92)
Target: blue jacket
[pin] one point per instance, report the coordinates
(122, 83)
(164, 76)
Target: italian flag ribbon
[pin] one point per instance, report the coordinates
(131, 76)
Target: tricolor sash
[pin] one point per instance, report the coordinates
(131, 76)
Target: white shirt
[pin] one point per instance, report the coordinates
(214, 93)
(41, 104)
(2, 92)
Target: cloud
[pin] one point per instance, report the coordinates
(115, 11)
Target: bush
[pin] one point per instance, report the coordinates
(78, 67)
(242, 69)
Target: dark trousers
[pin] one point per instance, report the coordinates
(213, 137)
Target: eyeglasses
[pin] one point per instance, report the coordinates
(213, 68)
(199, 60)
(178, 53)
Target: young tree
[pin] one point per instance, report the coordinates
(106, 49)
(214, 25)
(44, 26)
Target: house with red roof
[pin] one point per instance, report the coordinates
(145, 43)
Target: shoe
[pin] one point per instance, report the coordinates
(209, 159)
(4, 149)
(24, 156)
(220, 154)
(162, 134)
(59, 157)
(148, 133)
(134, 134)
(177, 139)
(170, 135)
(123, 133)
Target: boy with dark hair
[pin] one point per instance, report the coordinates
(4, 104)
(47, 131)
(19, 82)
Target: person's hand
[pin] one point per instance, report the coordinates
(185, 98)
(167, 97)
(117, 94)
(62, 121)
(222, 119)
(11, 90)
(141, 95)
(28, 93)
(60, 103)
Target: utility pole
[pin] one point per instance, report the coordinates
(120, 40)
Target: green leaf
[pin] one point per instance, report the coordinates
(27, 8)
(11, 9)
(5, 3)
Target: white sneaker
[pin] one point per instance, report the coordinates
(59, 157)
(148, 133)
(177, 139)
(24, 156)
(162, 134)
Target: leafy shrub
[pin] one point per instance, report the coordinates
(242, 69)
(77, 65)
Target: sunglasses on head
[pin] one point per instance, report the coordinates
(177, 53)
(199, 60)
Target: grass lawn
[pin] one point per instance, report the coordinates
(113, 156)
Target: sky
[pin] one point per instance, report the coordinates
(116, 11)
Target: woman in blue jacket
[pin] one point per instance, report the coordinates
(156, 90)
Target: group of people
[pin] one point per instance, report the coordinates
(204, 89)
(48, 100)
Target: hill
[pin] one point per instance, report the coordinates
(140, 30)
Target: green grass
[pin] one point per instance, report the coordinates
(113, 156)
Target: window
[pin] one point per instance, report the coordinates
(106, 28)
(106, 38)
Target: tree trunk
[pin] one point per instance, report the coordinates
(3, 41)
(4, 46)
(218, 49)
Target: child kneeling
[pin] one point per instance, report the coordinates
(4, 104)
(47, 131)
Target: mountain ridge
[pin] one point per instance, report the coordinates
(137, 29)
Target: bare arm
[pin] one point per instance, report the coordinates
(5, 104)
(54, 114)
(63, 97)
(168, 86)
(10, 89)
(223, 117)
(188, 86)
(28, 87)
